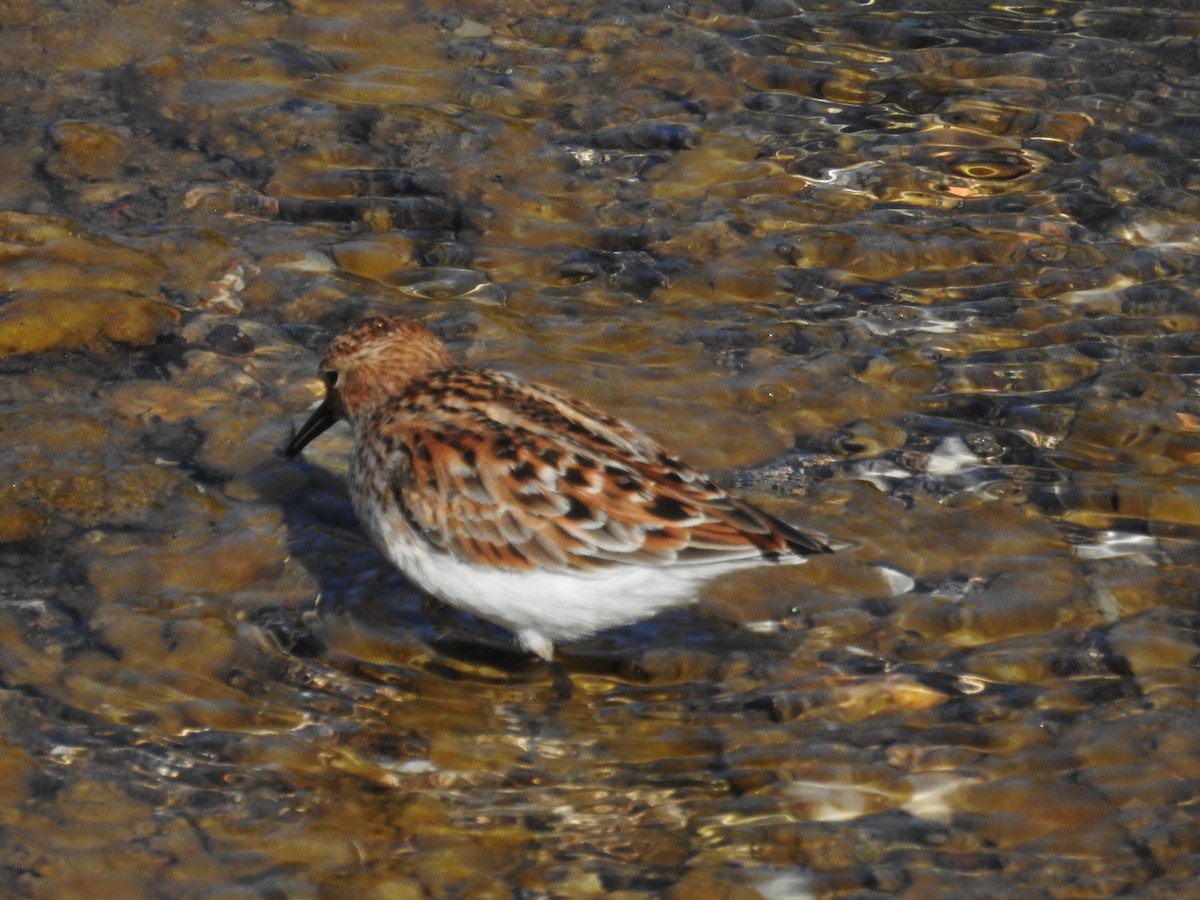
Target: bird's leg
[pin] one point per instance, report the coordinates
(538, 644)
(562, 681)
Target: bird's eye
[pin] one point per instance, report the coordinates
(330, 378)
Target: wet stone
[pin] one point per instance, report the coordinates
(230, 339)
(88, 151)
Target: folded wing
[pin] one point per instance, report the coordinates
(505, 473)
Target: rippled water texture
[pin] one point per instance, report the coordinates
(921, 277)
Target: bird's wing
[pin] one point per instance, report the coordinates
(504, 473)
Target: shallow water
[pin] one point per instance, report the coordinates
(919, 277)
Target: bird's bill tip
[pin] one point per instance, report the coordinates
(322, 419)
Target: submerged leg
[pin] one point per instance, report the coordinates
(563, 686)
(541, 645)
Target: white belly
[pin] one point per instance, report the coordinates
(542, 608)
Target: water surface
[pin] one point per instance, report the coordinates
(920, 276)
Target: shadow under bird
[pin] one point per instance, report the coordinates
(521, 504)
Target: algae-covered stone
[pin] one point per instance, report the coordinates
(69, 289)
(45, 321)
(89, 151)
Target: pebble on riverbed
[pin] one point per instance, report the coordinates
(70, 289)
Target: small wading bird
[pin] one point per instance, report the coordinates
(521, 504)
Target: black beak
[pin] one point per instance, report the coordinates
(322, 418)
